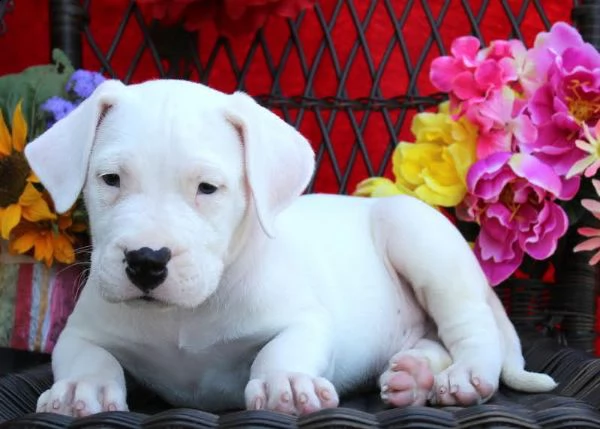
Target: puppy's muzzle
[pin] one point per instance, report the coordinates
(147, 268)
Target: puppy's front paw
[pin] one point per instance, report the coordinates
(81, 398)
(291, 393)
(464, 384)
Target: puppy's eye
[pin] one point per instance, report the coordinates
(206, 188)
(112, 180)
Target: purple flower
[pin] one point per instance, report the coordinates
(83, 82)
(58, 108)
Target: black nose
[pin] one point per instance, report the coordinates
(147, 268)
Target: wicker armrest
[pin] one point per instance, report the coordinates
(573, 404)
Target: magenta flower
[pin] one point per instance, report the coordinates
(552, 44)
(445, 69)
(512, 196)
(467, 78)
(569, 99)
(471, 75)
(519, 69)
(557, 133)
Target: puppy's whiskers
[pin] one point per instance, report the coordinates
(80, 281)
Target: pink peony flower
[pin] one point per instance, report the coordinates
(473, 77)
(512, 196)
(557, 133)
(519, 69)
(552, 44)
(569, 98)
(445, 69)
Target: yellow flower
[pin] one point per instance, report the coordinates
(50, 241)
(19, 199)
(15, 140)
(434, 168)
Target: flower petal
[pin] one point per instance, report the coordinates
(489, 165)
(595, 259)
(19, 129)
(589, 232)
(579, 167)
(524, 130)
(43, 248)
(63, 249)
(551, 225)
(23, 243)
(591, 205)
(9, 218)
(587, 245)
(37, 211)
(592, 169)
(5, 139)
(30, 195)
(538, 173)
(498, 271)
(376, 187)
(465, 87)
(35, 207)
(443, 71)
(596, 184)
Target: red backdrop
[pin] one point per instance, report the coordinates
(26, 43)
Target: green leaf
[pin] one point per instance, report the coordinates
(34, 86)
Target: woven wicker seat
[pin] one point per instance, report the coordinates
(574, 404)
(556, 320)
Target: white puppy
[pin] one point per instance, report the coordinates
(215, 284)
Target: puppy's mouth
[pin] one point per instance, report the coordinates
(147, 301)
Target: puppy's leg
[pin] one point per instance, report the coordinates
(286, 375)
(87, 379)
(428, 251)
(410, 375)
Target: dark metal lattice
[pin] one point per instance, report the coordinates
(343, 157)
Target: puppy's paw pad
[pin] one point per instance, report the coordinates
(407, 381)
(463, 385)
(82, 398)
(291, 393)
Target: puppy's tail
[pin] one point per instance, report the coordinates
(513, 372)
(515, 376)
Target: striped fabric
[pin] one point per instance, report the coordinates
(35, 302)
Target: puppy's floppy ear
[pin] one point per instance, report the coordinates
(279, 160)
(59, 157)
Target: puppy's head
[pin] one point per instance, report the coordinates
(174, 176)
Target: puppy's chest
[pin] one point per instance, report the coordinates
(189, 368)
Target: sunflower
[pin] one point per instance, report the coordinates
(19, 198)
(49, 240)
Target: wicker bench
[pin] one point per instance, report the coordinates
(556, 320)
